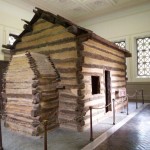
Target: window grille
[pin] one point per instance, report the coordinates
(121, 44)
(143, 56)
(11, 40)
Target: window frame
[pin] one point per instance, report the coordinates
(134, 75)
(140, 76)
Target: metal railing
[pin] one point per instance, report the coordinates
(126, 98)
(135, 95)
(45, 122)
(114, 118)
(113, 103)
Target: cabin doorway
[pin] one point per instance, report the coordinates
(107, 90)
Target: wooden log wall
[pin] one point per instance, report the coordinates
(76, 61)
(30, 88)
(55, 41)
(97, 59)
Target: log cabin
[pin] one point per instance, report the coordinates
(50, 54)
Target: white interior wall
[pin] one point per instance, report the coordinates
(10, 22)
(126, 25)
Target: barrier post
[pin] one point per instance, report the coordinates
(142, 97)
(45, 134)
(127, 106)
(1, 112)
(136, 100)
(113, 111)
(1, 146)
(91, 124)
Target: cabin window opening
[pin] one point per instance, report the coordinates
(95, 84)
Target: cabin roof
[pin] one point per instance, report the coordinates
(73, 28)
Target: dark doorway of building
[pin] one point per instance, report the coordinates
(107, 90)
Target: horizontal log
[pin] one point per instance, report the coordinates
(47, 110)
(100, 57)
(23, 115)
(42, 30)
(34, 131)
(92, 61)
(48, 98)
(8, 46)
(20, 102)
(102, 50)
(59, 41)
(37, 12)
(67, 95)
(19, 91)
(67, 106)
(27, 27)
(65, 70)
(23, 119)
(35, 113)
(27, 22)
(6, 52)
(51, 114)
(48, 17)
(118, 86)
(115, 81)
(14, 35)
(118, 75)
(49, 104)
(53, 38)
(106, 48)
(73, 29)
(103, 67)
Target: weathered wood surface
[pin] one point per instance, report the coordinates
(76, 60)
(97, 59)
(29, 100)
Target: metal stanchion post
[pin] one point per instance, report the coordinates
(136, 100)
(1, 109)
(45, 134)
(113, 111)
(127, 106)
(1, 146)
(142, 97)
(91, 125)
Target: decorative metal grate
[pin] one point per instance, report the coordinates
(121, 44)
(143, 56)
(11, 40)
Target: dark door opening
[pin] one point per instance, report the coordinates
(107, 90)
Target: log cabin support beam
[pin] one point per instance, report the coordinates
(14, 36)
(27, 22)
(8, 46)
(48, 17)
(27, 27)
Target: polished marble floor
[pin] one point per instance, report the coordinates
(134, 135)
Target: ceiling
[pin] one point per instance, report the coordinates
(78, 10)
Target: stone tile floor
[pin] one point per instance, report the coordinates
(59, 139)
(134, 135)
